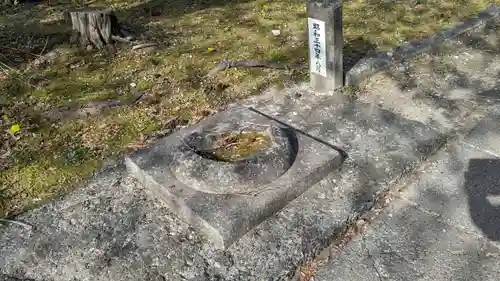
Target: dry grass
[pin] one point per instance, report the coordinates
(234, 146)
(46, 158)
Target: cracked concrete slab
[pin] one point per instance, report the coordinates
(462, 185)
(107, 230)
(444, 188)
(409, 244)
(445, 226)
(486, 135)
(453, 203)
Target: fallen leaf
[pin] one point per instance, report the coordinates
(15, 128)
(265, 6)
(211, 49)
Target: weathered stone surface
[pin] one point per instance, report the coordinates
(114, 231)
(330, 13)
(107, 230)
(451, 213)
(409, 244)
(486, 135)
(194, 165)
(381, 148)
(459, 184)
(379, 61)
(224, 200)
(364, 131)
(444, 89)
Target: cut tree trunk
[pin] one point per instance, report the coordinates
(95, 27)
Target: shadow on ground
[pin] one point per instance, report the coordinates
(443, 89)
(356, 49)
(479, 50)
(439, 89)
(404, 242)
(482, 185)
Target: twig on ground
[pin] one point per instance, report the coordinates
(113, 103)
(18, 50)
(6, 72)
(6, 154)
(29, 227)
(168, 127)
(44, 46)
(142, 46)
(225, 64)
(89, 109)
(11, 134)
(3, 65)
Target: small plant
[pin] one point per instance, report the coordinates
(278, 56)
(233, 146)
(350, 91)
(76, 155)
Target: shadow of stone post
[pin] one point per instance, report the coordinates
(482, 184)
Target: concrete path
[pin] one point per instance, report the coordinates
(444, 226)
(445, 222)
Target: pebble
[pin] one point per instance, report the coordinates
(188, 275)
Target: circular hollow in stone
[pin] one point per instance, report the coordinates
(195, 164)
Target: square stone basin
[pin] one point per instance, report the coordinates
(224, 199)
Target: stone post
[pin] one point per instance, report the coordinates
(325, 44)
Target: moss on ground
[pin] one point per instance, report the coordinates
(234, 146)
(46, 157)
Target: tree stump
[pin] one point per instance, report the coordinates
(94, 27)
